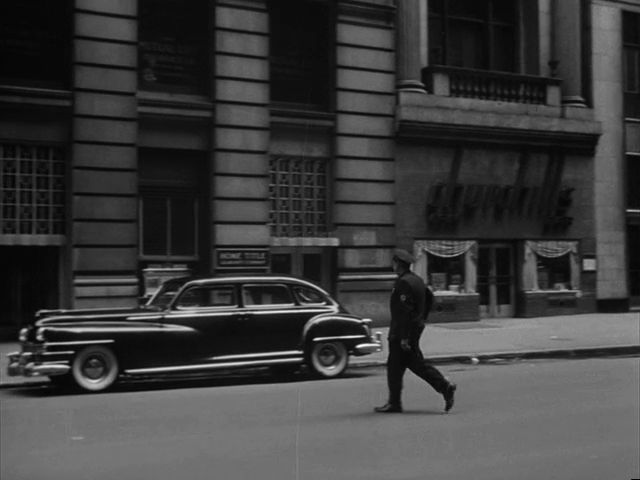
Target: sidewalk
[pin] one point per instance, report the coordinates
(543, 337)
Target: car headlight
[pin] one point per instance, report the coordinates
(24, 334)
(367, 325)
(40, 334)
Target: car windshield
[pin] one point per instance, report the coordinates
(165, 294)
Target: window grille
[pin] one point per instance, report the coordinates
(33, 190)
(298, 194)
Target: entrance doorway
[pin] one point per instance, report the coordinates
(495, 280)
(311, 263)
(29, 282)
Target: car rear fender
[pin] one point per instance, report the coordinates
(348, 329)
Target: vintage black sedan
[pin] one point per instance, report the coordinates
(196, 326)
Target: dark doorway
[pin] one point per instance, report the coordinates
(495, 280)
(29, 282)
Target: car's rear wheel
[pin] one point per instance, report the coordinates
(95, 368)
(328, 359)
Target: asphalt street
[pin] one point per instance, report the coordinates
(553, 419)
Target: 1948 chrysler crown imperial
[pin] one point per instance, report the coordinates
(196, 326)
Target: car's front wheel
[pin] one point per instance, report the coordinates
(328, 359)
(95, 368)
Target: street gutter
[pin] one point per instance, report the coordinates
(470, 358)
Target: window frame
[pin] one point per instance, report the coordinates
(185, 36)
(299, 296)
(62, 32)
(443, 20)
(286, 288)
(324, 97)
(551, 264)
(435, 259)
(285, 219)
(631, 47)
(207, 288)
(169, 195)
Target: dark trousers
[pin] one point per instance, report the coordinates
(399, 360)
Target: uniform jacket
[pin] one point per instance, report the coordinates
(407, 305)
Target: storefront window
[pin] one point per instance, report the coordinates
(554, 273)
(446, 273)
(447, 265)
(551, 265)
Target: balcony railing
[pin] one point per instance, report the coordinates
(488, 85)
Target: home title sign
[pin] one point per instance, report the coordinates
(242, 258)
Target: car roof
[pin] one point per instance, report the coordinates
(244, 278)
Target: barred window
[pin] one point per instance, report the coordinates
(299, 197)
(33, 190)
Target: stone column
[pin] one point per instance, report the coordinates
(104, 166)
(567, 49)
(409, 77)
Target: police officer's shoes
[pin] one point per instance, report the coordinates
(389, 408)
(449, 395)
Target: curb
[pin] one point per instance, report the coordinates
(473, 359)
(491, 357)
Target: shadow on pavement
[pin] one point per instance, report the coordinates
(46, 389)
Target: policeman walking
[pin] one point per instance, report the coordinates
(410, 305)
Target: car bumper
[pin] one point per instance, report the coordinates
(367, 348)
(28, 364)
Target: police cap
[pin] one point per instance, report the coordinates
(403, 256)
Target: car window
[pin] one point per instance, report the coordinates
(309, 296)
(207, 296)
(260, 294)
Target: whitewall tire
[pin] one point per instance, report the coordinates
(95, 368)
(328, 359)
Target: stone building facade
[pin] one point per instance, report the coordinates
(147, 139)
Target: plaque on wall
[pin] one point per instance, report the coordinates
(242, 258)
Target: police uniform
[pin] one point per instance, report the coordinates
(408, 317)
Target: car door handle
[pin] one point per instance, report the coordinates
(243, 318)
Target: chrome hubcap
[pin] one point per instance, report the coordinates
(94, 368)
(327, 356)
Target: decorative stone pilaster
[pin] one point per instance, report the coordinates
(408, 46)
(567, 48)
